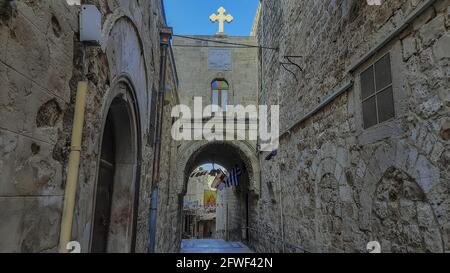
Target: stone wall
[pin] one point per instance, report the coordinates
(37, 49)
(195, 75)
(41, 61)
(228, 217)
(334, 186)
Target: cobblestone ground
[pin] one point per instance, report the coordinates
(213, 246)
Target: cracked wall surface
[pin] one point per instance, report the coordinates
(342, 186)
(41, 61)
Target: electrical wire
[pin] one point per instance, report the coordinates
(201, 46)
(222, 42)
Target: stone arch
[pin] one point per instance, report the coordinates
(129, 80)
(245, 150)
(402, 219)
(328, 213)
(333, 196)
(196, 153)
(121, 13)
(127, 60)
(120, 113)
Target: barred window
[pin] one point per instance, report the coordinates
(377, 93)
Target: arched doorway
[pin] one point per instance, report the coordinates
(233, 216)
(118, 176)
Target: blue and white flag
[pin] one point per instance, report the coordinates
(233, 178)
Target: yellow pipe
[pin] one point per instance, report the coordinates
(72, 173)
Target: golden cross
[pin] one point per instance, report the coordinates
(221, 18)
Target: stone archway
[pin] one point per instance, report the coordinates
(329, 214)
(190, 151)
(402, 219)
(227, 154)
(118, 175)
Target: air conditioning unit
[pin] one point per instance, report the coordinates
(90, 25)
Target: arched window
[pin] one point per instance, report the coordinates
(219, 90)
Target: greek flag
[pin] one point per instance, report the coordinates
(233, 178)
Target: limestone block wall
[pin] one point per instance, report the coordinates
(41, 61)
(36, 45)
(196, 77)
(166, 236)
(228, 215)
(195, 80)
(342, 186)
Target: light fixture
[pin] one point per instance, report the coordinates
(165, 35)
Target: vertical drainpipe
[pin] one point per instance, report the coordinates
(165, 38)
(73, 167)
(70, 190)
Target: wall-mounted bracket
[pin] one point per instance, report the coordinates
(291, 63)
(271, 155)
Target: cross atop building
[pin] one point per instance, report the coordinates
(221, 18)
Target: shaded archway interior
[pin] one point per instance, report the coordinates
(232, 217)
(114, 200)
(221, 153)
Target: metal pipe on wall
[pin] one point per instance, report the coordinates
(166, 36)
(72, 173)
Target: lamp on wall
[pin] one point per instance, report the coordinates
(165, 34)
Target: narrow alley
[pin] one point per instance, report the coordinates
(256, 126)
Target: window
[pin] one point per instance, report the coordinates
(377, 93)
(219, 95)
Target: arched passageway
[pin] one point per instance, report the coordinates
(233, 203)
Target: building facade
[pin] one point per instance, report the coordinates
(199, 206)
(364, 101)
(41, 63)
(220, 70)
(364, 145)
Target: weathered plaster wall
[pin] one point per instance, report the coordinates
(196, 77)
(342, 186)
(36, 45)
(41, 62)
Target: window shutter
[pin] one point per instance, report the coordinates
(377, 93)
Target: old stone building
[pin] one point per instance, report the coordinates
(364, 146)
(199, 206)
(41, 62)
(363, 151)
(201, 62)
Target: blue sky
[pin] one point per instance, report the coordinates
(192, 16)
